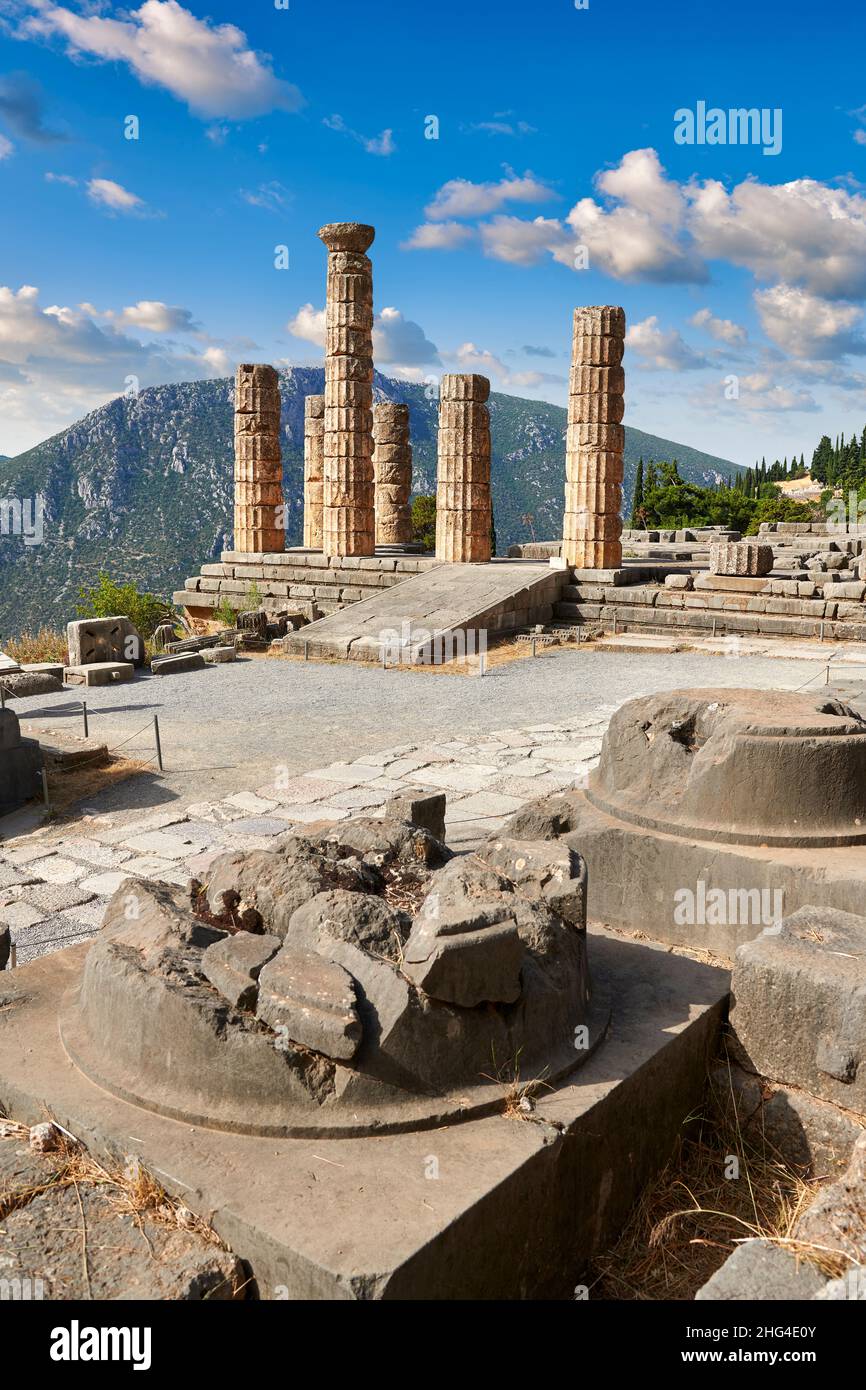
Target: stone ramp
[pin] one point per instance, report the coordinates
(491, 598)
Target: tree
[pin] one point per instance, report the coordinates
(424, 520)
(637, 500)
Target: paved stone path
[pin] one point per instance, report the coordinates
(56, 881)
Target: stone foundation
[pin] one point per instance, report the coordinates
(299, 580)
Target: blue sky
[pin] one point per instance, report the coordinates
(743, 274)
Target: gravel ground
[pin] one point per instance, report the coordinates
(228, 727)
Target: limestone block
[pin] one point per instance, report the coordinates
(465, 954)
(760, 1271)
(426, 810)
(587, 379)
(741, 558)
(234, 964)
(311, 1001)
(678, 581)
(800, 1004)
(464, 387)
(92, 640)
(99, 673)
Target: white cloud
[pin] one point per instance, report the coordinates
(658, 349)
(382, 144)
(397, 341)
(519, 242)
(723, 330)
(6, 147)
(309, 325)
(61, 363)
(471, 358)
(108, 194)
(438, 236)
(805, 325)
(801, 233)
(272, 196)
(210, 67)
(157, 317)
(461, 198)
(62, 178)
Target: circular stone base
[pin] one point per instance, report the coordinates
(405, 1113)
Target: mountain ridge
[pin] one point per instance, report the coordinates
(142, 486)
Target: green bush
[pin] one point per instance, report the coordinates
(225, 614)
(107, 599)
(424, 520)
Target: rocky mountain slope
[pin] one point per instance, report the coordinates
(142, 487)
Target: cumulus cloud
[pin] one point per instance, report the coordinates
(106, 193)
(723, 330)
(397, 341)
(6, 148)
(661, 349)
(438, 236)
(382, 144)
(210, 67)
(60, 362)
(157, 317)
(462, 198)
(519, 242)
(805, 325)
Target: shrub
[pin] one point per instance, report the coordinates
(424, 520)
(107, 599)
(225, 614)
(44, 645)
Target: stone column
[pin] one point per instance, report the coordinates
(314, 461)
(463, 507)
(392, 466)
(594, 445)
(348, 524)
(258, 520)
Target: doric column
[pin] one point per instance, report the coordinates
(594, 445)
(314, 462)
(258, 521)
(463, 507)
(392, 467)
(348, 525)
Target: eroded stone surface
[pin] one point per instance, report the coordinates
(311, 1001)
(234, 964)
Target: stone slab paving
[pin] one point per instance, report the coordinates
(56, 881)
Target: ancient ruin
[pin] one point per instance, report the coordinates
(258, 519)
(349, 526)
(595, 441)
(314, 470)
(392, 465)
(463, 505)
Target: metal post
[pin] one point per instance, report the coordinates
(2, 696)
(822, 631)
(158, 743)
(533, 646)
(481, 663)
(84, 712)
(714, 627)
(614, 622)
(45, 790)
(306, 645)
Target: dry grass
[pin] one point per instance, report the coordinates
(691, 1218)
(67, 790)
(44, 645)
(132, 1191)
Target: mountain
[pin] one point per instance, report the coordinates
(142, 487)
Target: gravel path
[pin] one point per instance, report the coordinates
(226, 729)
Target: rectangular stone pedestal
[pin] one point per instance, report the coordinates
(500, 1207)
